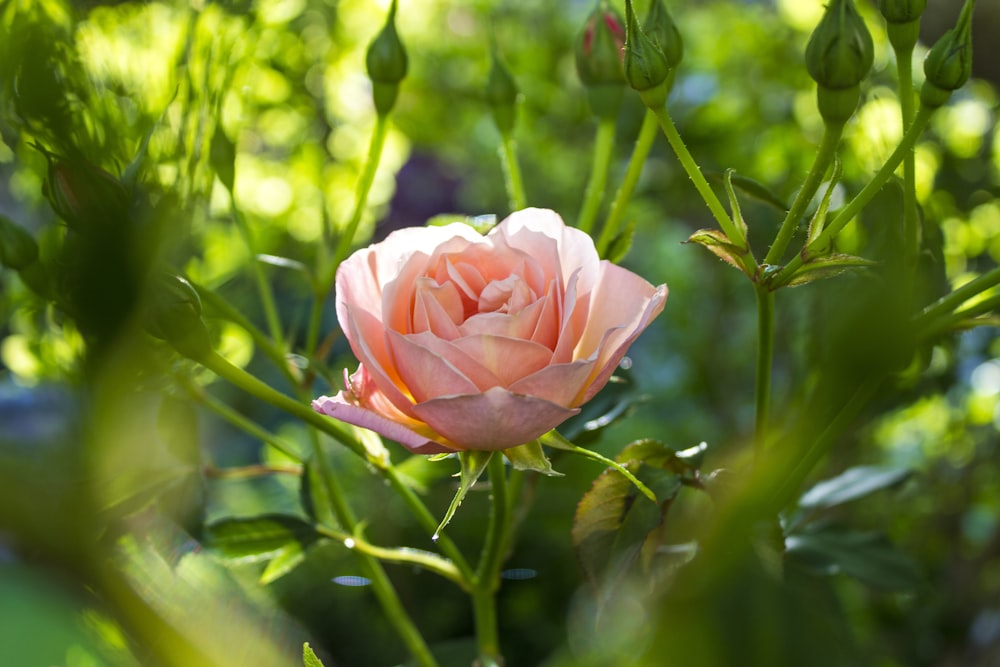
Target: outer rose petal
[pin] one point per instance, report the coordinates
(340, 408)
(495, 419)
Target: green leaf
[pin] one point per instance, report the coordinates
(819, 219)
(284, 263)
(852, 484)
(287, 559)
(734, 205)
(621, 244)
(828, 267)
(615, 524)
(531, 457)
(473, 464)
(258, 538)
(868, 557)
(481, 223)
(720, 245)
(420, 472)
(309, 658)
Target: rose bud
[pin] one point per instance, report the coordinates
(387, 63)
(662, 29)
(174, 315)
(646, 67)
(949, 63)
(85, 195)
(481, 342)
(599, 59)
(901, 11)
(839, 56)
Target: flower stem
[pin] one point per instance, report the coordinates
(911, 222)
(643, 144)
(765, 356)
(847, 213)
(824, 156)
(263, 287)
(700, 183)
(604, 143)
(488, 571)
(512, 172)
(360, 199)
(948, 303)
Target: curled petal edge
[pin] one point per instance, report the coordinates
(340, 408)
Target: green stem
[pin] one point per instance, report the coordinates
(604, 143)
(372, 569)
(263, 287)
(824, 156)
(361, 198)
(846, 214)
(490, 561)
(911, 221)
(790, 481)
(948, 303)
(643, 144)
(512, 172)
(556, 440)
(948, 323)
(765, 356)
(726, 223)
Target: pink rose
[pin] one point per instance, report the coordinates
(482, 342)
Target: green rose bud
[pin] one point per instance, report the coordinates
(646, 67)
(661, 28)
(901, 11)
(18, 249)
(85, 195)
(599, 59)
(387, 64)
(502, 94)
(174, 314)
(949, 64)
(840, 51)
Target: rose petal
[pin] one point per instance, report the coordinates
(562, 384)
(340, 408)
(495, 419)
(469, 367)
(568, 248)
(435, 308)
(510, 359)
(426, 374)
(368, 342)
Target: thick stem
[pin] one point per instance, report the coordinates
(847, 213)
(604, 143)
(512, 172)
(765, 356)
(824, 156)
(490, 561)
(726, 223)
(643, 144)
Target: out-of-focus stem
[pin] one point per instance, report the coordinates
(604, 142)
(643, 144)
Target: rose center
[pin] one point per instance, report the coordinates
(509, 296)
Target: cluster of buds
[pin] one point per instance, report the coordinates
(652, 53)
(839, 56)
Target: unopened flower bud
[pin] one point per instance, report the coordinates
(83, 194)
(174, 315)
(18, 249)
(502, 94)
(387, 64)
(840, 51)
(599, 59)
(949, 63)
(646, 67)
(662, 29)
(901, 11)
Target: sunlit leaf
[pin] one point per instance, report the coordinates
(473, 464)
(284, 263)
(421, 472)
(720, 245)
(531, 457)
(868, 557)
(819, 219)
(309, 658)
(287, 559)
(852, 484)
(734, 206)
(257, 538)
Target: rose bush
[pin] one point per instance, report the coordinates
(482, 342)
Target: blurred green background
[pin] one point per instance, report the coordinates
(109, 469)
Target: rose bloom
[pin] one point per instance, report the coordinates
(482, 342)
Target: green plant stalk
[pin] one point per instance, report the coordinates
(948, 323)
(488, 572)
(263, 287)
(361, 192)
(948, 303)
(260, 339)
(604, 143)
(512, 172)
(372, 568)
(726, 223)
(236, 419)
(911, 229)
(765, 359)
(643, 144)
(862, 199)
(824, 156)
(790, 480)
